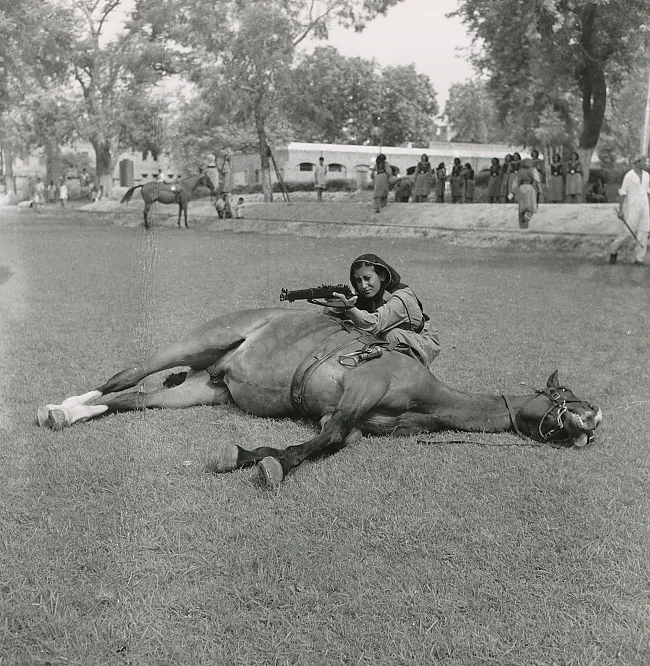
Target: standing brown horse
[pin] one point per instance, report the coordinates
(276, 362)
(180, 192)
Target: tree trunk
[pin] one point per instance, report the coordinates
(10, 181)
(264, 157)
(594, 91)
(53, 162)
(105, 161)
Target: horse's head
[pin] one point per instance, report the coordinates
(205, 181)
(555, 415)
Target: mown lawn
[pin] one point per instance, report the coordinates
(118, 545)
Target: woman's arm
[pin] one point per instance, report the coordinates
(387, 316)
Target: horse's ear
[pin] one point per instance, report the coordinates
(553, 381)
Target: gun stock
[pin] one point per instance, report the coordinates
(325, 291)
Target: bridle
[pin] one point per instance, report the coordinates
(558, 403)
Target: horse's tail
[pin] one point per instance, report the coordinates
(129, 193)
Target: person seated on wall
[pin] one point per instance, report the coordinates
(387, 308)
(597, 192)
(403, 190)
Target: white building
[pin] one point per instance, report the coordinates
(296, 161)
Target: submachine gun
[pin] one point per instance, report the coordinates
(325, 291)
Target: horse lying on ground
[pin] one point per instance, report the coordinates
(179, 192)
(276, 362)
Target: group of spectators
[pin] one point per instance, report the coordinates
(565, 180)
(52, 193)
(58, 192)
(225, 209)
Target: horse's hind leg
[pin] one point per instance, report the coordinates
(198, 350)
(147, 207)
(197, 389)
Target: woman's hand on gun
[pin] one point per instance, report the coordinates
(340, 301)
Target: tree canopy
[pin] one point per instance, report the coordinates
(249, 45)
(553, 54)
(472, 113)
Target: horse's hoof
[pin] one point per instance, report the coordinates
(270, 472)
(58, 419)
(227, 458)
(43, 416)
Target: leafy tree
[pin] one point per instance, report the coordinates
(407, 106)
(252, 43)
(621, 137)
(472, 113)
(347, 100)
(334, 98)
(551, 53)
(113, 79)
(31, 65)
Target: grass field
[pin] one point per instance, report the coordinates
(118, 545)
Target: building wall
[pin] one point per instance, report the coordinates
(29, 168)
(355, 162)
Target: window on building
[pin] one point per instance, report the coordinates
(258, 176)
(144, 176)
(306, 166)
(338, 168)
(145, 154)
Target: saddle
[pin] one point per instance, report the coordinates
(353, 347)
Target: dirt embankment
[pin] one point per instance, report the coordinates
(582, 228)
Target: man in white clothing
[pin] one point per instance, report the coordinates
(634, 208)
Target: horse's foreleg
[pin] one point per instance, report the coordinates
(232, 457)
(361, 393)
(197, 389)
(185, 213)
(180, 210)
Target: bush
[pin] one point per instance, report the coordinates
(342, 185)
(611, 175)
(333, 185)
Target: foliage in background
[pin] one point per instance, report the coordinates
(336, 99)
(557, 54)
(472, 113)
(251, 46)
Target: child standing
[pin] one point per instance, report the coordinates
(239, 209)
(63, 191)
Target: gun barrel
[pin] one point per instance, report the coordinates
(324, 291)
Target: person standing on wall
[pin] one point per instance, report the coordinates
(382, 179)
(556, 180)
(538, 164)
(457, 182)
(422, 184)
(441, 180)
(494, 181)
(320, 176)
(468, 175)
(506, 177)
(634, 209)
(574, 182)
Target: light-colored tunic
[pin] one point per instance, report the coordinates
(573, 178)
(636, 210)
(320, 177)
(394, 320)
